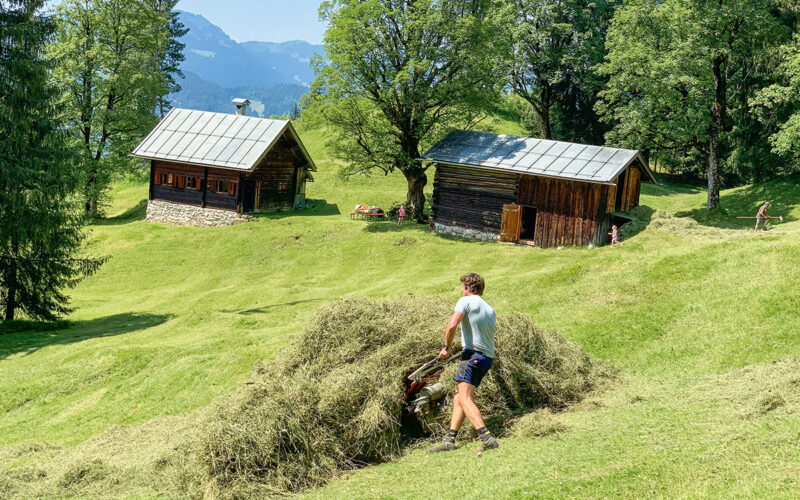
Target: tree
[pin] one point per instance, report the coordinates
(110, 55)
(400, 73)
(40, 228)
(780, 104)
(555, 43)
(669, 67)
(170, 51)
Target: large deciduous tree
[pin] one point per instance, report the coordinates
(40, 227)
(399, 74)
(110, 66)
(669, 67)
(555, 44)
(780, 104)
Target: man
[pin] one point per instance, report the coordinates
(762, 216)
(477, 321)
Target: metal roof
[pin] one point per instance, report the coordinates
(541, 157)
(220, 140)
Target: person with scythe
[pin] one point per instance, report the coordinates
(762, 215)
(477, 320)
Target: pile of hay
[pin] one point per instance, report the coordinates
(332, 401)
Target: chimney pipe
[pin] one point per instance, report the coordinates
(241, 105)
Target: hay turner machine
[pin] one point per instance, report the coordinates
(424, 396)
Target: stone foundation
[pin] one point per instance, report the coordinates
(462, 232)
(188, 215)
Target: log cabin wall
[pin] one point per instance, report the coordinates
(222, 189)
(167, 185)
(472, 198)
(568, 212)
(274, 182)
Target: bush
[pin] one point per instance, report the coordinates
(332, 401)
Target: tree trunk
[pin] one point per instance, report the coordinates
(415, 198)
(715, 128)
(544, 119)
(11, 285)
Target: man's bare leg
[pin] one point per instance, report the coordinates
(467, 405)
(457, 420)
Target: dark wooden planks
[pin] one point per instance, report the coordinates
(472, 198)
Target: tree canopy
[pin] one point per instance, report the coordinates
(399, 74)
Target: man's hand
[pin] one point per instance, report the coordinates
(444, 353)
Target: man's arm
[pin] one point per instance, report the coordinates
(450, 333)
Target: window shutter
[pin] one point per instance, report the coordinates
(231, 187)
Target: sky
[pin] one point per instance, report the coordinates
(263, 21)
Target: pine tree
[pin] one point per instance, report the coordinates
(40, 228)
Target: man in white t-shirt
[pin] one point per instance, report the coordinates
(477, 320)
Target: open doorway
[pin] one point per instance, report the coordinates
(620, 190)
(528, 229)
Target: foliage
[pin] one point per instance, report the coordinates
(554, 45)
(680, 77)
(170, 51)
(110, 55)
(779, 104)
(40, 230)
(399, 75)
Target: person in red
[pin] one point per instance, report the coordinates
(401, 214)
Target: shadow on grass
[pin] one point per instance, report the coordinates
(390, 226)
(667, 188)
(133, 214)
(783, 194)
(640, 219)
(263, 309)
(313, 208)
(29, 339)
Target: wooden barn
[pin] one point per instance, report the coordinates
(540, 192)
(211, 168)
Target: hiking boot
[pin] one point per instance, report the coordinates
(447, 444)
(488, 442)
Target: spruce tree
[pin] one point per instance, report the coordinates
(40, 228)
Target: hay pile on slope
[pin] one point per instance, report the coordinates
(332, 401)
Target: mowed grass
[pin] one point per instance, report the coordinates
(696, 312)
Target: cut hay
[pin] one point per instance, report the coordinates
(332, 401)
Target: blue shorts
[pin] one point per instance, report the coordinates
(472, 367)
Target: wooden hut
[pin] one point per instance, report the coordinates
(542, 192)
(211, 168)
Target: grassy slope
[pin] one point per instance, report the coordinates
(693, 310)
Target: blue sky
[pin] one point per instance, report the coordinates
(265, 20)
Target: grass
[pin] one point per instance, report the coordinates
(696, 312)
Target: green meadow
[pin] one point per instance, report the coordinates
(696, 314)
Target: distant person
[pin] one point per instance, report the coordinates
(614, 236)
(401, 214)
(762, 216)
(477, 321)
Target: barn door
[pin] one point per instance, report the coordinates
(512, 223)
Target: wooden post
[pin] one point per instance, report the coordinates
(205, 185)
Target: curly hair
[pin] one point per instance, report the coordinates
(474, 282)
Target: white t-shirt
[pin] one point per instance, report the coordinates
(478, 324)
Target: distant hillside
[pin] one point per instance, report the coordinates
(217, 68)
(215, 57)
(197, 93)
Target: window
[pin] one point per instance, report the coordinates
(222, 186)
(283, 187)
(193, 183)
(166, 179)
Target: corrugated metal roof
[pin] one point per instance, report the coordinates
(542, 157)
(215, 139)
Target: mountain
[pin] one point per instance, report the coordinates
(215, 57)
(217, 68)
